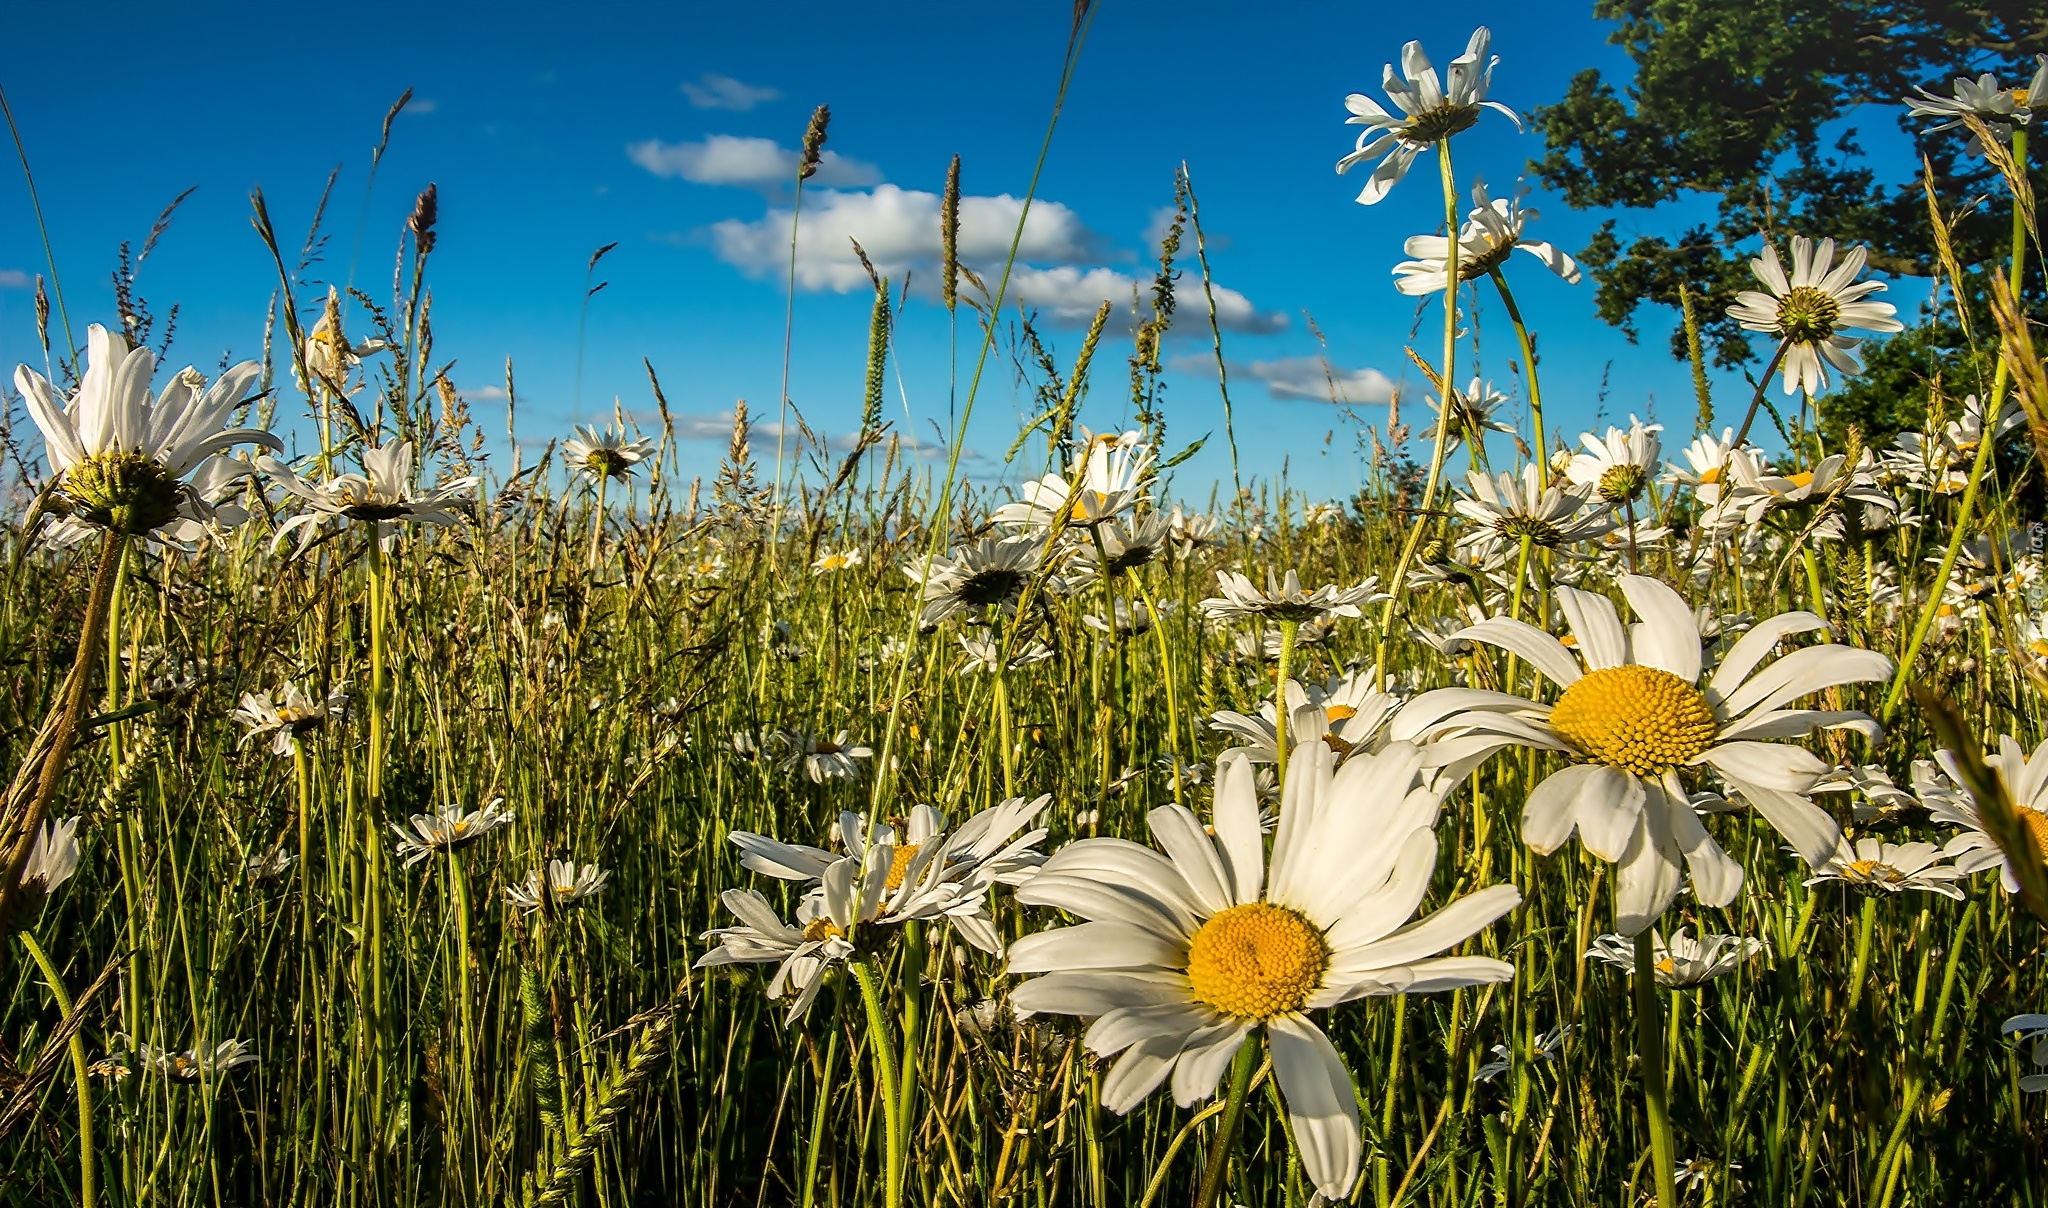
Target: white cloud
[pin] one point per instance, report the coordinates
(718, 426)
(900, 229)
(486, 394)
(1311, 379)
(423, 104)
(754, 163)
(14, 278)
(1070, 295)
(714, 91)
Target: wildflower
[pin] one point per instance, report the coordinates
(1432, 110)
(1508, 509)
(711, 566)
(1192, 531)
(289, 717)
(1345, 714)
(329, 354)
(268, 865)
(1633, 711)
(1111, 481)
(830, 561)
(606, 454)
(1320, 514)
(826, 922)
(565, 884)
(1974, 850)
(1875, 866)
(2000, 109)
(1473, 413)
(929, 872)
(1546, 1048)
(1284, 600)
(1130, 619)
(984, 653)
(1616, 468)
(1709, 465)
(122, 457)
(1127, 545)
(987, 574)
(449, 830)
(1684, 962)
(1492, 233)
(51, 861)
(1757, 492)
(1694, 1172)
(382, 495)
(822, 760)
(2034, 1028)
(1187, 953)
(1810, 309)
(1881, 796)
(1941, 461)
(201, 1062)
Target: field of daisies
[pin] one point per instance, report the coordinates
(1644, 816)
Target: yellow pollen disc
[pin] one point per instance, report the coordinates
(2019, 97)
(2038, 648)
(1667, 966)
(1644, 719)
(1873, 871)
(821, 929)
(899, 866)
(1340, 713)
(1337, 744)
(2037, 831)
(1802, 479)
(1710, 476)
(1257, 961)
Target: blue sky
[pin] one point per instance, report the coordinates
(549, 135)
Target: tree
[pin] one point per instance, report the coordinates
(1752, 102)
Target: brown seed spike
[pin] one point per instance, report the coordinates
(814, 142)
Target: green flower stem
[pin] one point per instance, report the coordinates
(1507, 299)
(1650, 1064)
(883, 1047)
(1165, 675)
(1241, 1067)
(18, 833)
(1986, 444)
(1003, 725)
(1864, 927)
(1442, 437)
(914, 955)
(818, 1114)
(1287, 631)
(88, 1177)
(597, 522)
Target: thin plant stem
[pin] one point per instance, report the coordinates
(1241, 1069)
(88, 1176)
(883, 1047)
(1528, 345)
(1649, 1010)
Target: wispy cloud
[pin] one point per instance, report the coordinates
(718, 426)
(1308, 379)
(714, 91)
(752, 163)
(14, 278)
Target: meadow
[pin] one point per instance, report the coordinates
(1648, 816)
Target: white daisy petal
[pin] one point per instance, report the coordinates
(1321, 1102)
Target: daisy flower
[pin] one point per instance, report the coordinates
(1110, 481)
(1546, 1048)
(1636, 706)
(328, 352)
(382, 495)
(1810, 310)
(1974, 850)
(1709, 465)
(449, 830)
(989, 573)
(985, 652)
(822, 759)
(563, 884)
(1126, 544)
(1186, 954)
(122, 457)
(1192, 530)
(1285, 600)
(605, 454)
(2034, 1028)
(1473, 413)
(1875, 866)
(2000, 109)
(1492, 233)
(1616, 468)
(1507, 508)
(929, 872)
(827, 922)
(201, 1062)
(1684, 962)
(1432, 110)
(290, 716)
(51, 861)
(831, 561)
(1129, 618)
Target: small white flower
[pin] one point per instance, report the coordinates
(382, 495)
(1285, 600)
(1491, 234)
(52, 860)
(2034, 1028)
(290, 716)
(1508, 508)
(1683, 962)
(1111, 481)
(201, 1062)
(565, 884)
(606, 454)
(1616, 468)
(1432, 110)
(2000, 109)
(822, 759)
(985, 651)
(1875, 866)
(449, 830)
(1811, 309)
(831, 561)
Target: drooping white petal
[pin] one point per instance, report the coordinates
(1544, 652)
(1668, 638)
(1237, 829)
(1648, 875)
(1593, 620)
(1188, 845)
(1203, 1058)
(1104, 944)
(1321, 1102)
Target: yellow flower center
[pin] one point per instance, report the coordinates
(1667, 966)
(1872, 872)
(126, 492)
(1257, 961)
(1807, 315)
(1620, 484)
(1710, 477)
(1337, 713)
(820, 929)
(2038, 648)
(2037, 831)
(1803, 478)
(1643, 719)
(899, 866)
